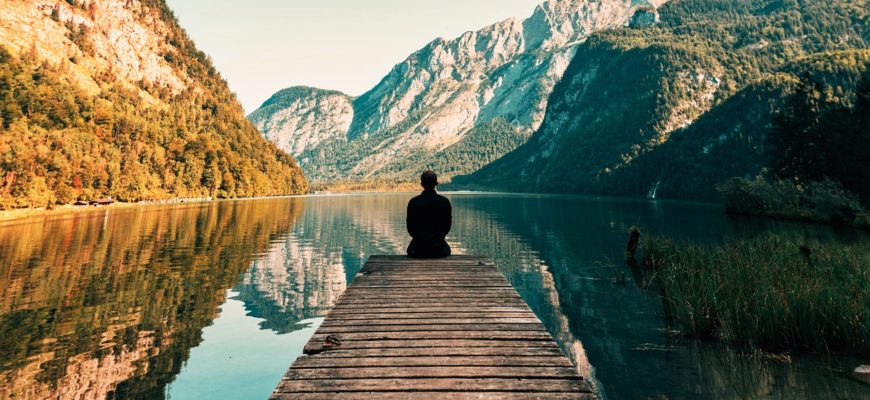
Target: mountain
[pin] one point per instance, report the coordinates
(112, 98)
(301, 118)
(674, 109)
(454, 105)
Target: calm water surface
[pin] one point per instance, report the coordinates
(216, 300)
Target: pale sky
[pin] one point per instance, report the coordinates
(262, 46)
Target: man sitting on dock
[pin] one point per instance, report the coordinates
(429, 221)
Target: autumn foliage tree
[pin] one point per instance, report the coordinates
(59, 143)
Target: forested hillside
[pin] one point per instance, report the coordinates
(112, 99)
(675, 109)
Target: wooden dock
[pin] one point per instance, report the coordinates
(432, 329)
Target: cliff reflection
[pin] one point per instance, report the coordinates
(98, 305)
(302, 275)
(477, 230)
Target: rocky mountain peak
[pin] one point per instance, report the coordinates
(308, 115)
(470, 58)
(126, 39)
(432, 101)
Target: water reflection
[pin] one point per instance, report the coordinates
(112, 305)
(302, 275)
(578, 243)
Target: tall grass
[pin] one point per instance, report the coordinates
(769, 292)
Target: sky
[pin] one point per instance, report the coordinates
(262, 46)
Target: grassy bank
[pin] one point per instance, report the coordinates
(769, 292)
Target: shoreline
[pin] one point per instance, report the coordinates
(18, 215)
(24, 214)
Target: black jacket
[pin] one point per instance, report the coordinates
(429, 219)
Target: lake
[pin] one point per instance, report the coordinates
(217, 299)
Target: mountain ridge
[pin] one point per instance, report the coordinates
(758, 50)
(443, 92)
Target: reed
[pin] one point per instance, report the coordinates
(769, 292)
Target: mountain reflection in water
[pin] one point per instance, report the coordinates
(111, 304)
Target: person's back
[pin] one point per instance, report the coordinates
(429, 220)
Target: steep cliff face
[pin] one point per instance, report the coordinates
(675, 109)
(448, 91)
(124, 39)
(111, 98)
(300, 118)
(613, 104)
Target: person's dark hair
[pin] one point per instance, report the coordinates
(429, 180)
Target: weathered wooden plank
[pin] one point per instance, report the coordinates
(420, 339)
(374, 303)
(438, 344)
(340, 330)
(418, 329)
(362, 283)
(432, 290)
(291, 386)
(420, 278)
(482, 294)
(446, 350)
(364, 315)
(428, 280)
(468, 287)
(455, 257)
(452, 334)
(430, 310)
(452, 260)
(432, 293)
(442, 396)
(381, 372)
(431, 283)
(428, 263)
(402, 288)
(429, 321)
(422, 283)
(402, 271)
(437, 301)
(418, 360)
(405, 272)
(417, 265)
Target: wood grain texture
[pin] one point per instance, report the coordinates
(452, 328)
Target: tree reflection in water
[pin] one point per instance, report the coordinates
(105, 304)
(96, 306)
